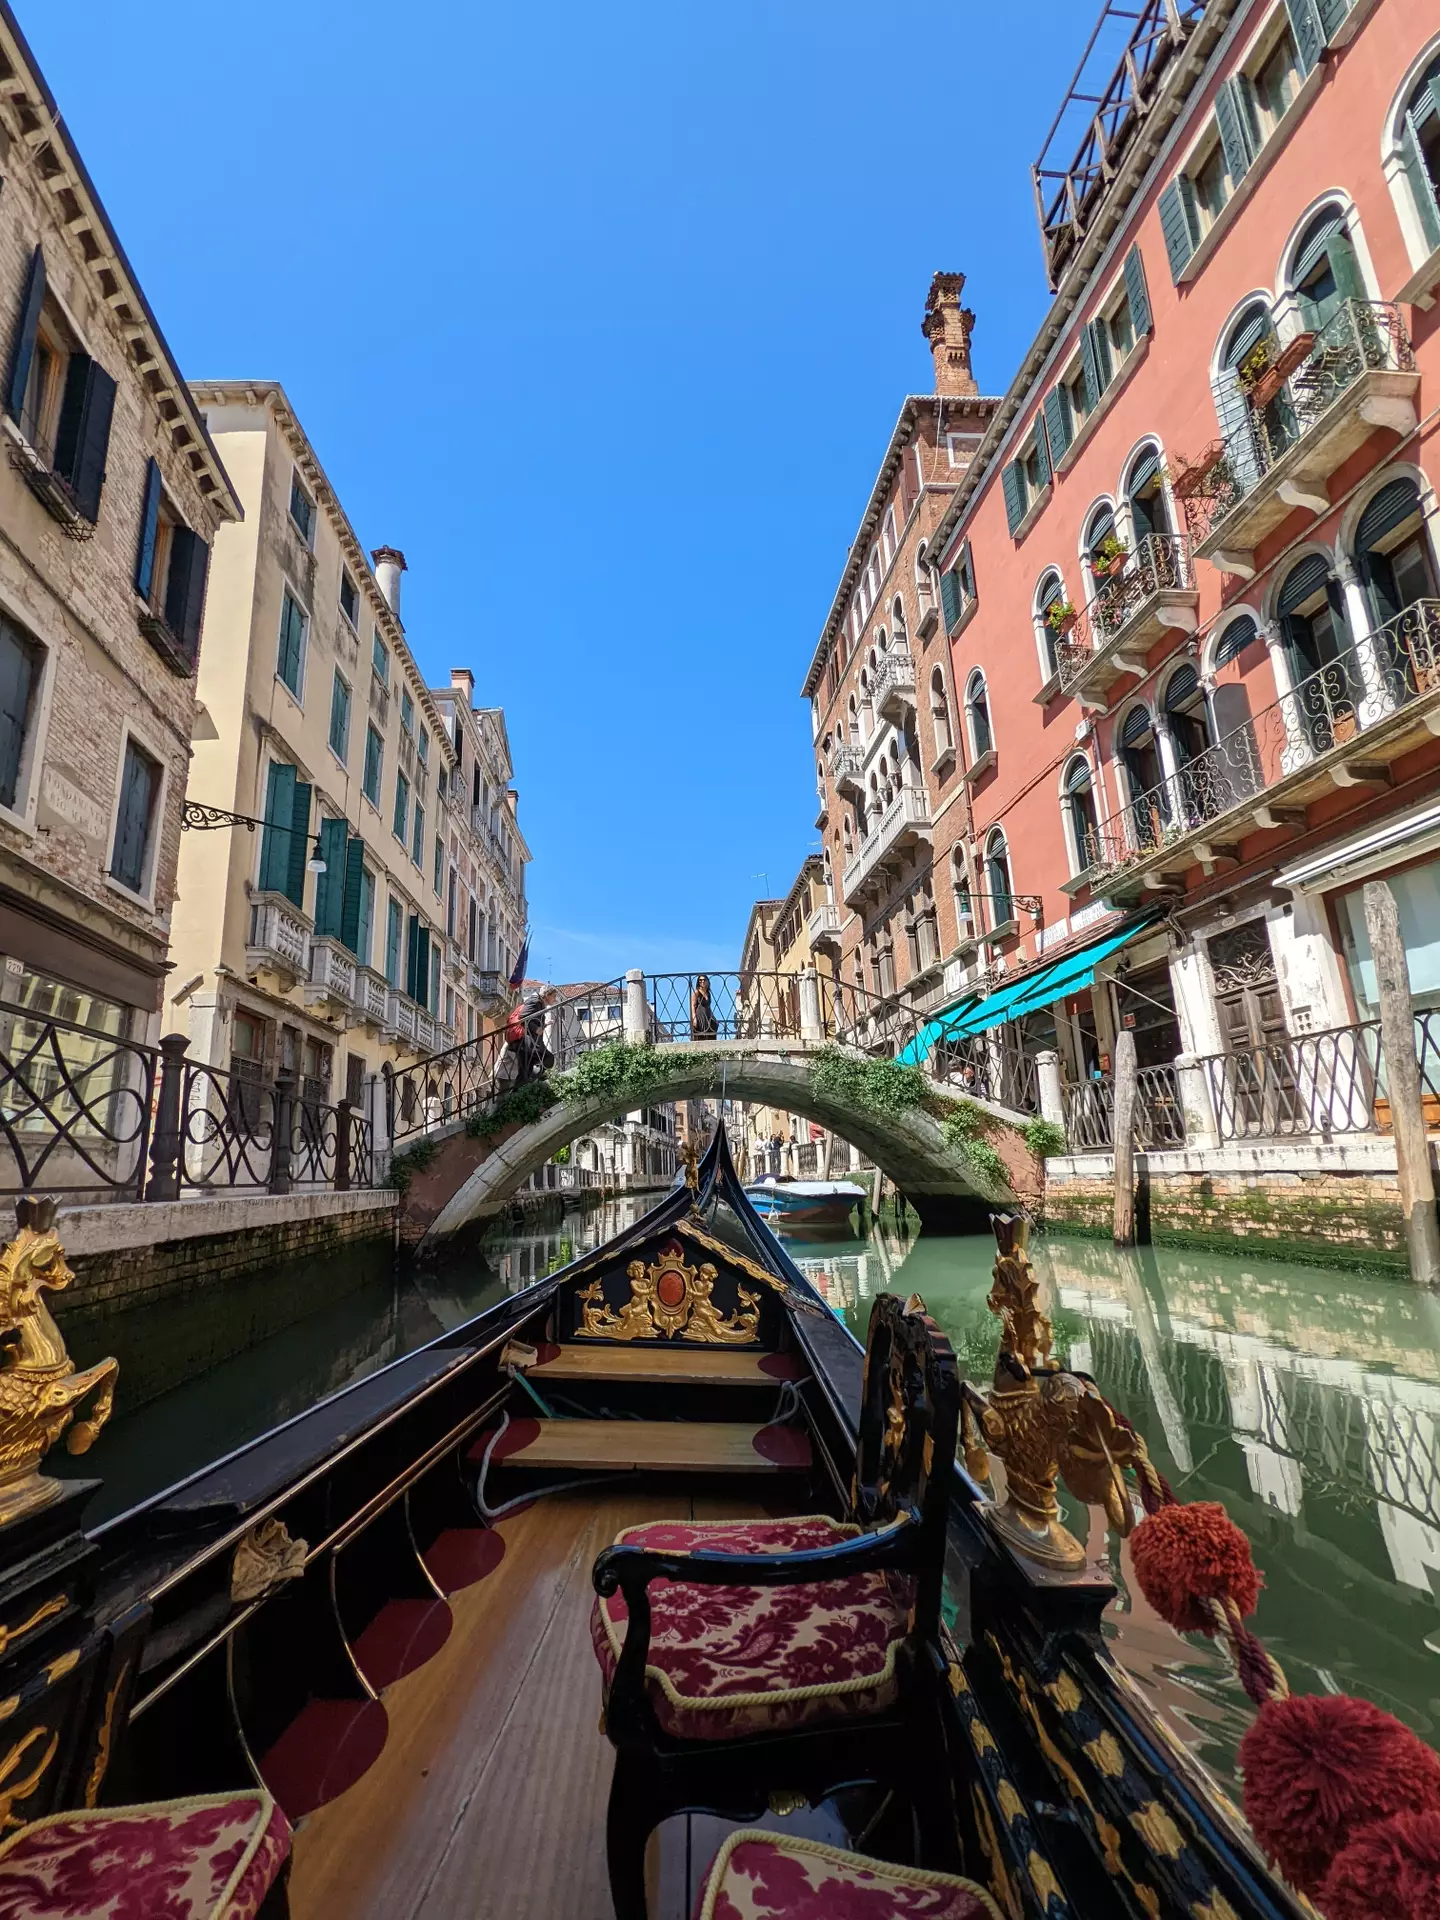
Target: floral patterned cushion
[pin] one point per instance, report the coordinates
(203, 1859)
(730, 1661)
(764, 1876)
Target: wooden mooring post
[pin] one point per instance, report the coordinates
(1122, 1136)
(1402, 1084)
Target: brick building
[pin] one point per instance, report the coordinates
(894, 796)
(111, 493)
(1191, 575)
(317, 721)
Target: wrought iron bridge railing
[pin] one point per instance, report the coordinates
(1362, 336)
(93, 1116)
(1380, 675)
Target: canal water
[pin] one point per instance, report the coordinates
(1307, 1400)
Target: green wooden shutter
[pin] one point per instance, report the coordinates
(1232, 409)
(22, 348)
(1057, 420)
(1332, 17)
(82, 439)
(132, 823)
(1013, 483)
(949, 599)
(394, 934)
(412, 953)
(1308, 32)
(1177, 224)
(1042, 456)
(350, 911)
(435, 978)
(1232, 116)
(1422, 192)
(1141, 317)
(275, 847)
(298, 850)
(18, 672)
(1091, 366)
(185, 589)
(149, 526)
(330, 885)
(1346, 267)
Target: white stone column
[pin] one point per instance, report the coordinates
(810, 1025)
(1193, 985)
(1376, 700)
(637, 1023)
(1297, 749)
(1052, 1097)
(1201, 1132)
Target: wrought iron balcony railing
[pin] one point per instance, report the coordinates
(1317, 414)
(1153, 590)
(1353, 695)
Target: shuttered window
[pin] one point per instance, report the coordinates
(1139, 293)
(1057, 421)
(340, 719)
(374, 765)
(394, 923)
(1392, 504)
(1302, 582)
(1013, 483)
(290, 662)
(417, 838)
(950, 602)
(1236, 637)
(1178, 224)
(21, 663)
(185, 589)
(358, 932)
(1136, 727)
(1309, 33)
(1420, 152)
(149, 528)
(22, 347)
(330, 885)
(82, 439)
(286, 845)
(1184, 683)
(401, 819)
(139, 789)
(1239, 134)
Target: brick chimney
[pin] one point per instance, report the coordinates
(947, 327)
(389, 565)
(463, 681)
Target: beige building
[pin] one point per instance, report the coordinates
(111, 492)
(315, 720)
(778, 943)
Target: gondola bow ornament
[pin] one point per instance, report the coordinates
(1042, 1422)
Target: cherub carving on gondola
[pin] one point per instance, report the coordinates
(1042, 1422)
(40, 1391)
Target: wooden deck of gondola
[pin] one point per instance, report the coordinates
(650, 1446)
(671, 1364)
(489, 1798)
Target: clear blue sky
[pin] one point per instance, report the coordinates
(604, 315)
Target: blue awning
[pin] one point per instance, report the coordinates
(1042, 988)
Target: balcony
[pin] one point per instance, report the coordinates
(904, 823)
(487, 986)
(332, 975)
(455, 963)
(822, 929)
(847, 768)
(401, 1014)
(372, 997)
(279, 939)
(1151, 597)
(1343, 726)
(895, 687)
(1301, 422)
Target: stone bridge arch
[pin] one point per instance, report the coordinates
(470, 1180)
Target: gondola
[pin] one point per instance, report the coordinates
(469, 1637)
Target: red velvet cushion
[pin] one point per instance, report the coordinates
(727, 1661)
(204, 1859)
(767, 1876)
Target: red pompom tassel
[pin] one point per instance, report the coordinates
(1183, 1555)
(1391, 1869)
(1320, 1767)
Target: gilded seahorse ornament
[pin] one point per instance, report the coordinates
(40, 1390)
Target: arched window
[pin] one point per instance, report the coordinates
(1102, 547)
(1235, 639)
(1324, 272)
(1249, 346)
(897, 623)
(960, 887)
(1081, 822)
(1324, 672)
(1186, 715)
(1392, 552)
(1050, 594)
(924, 579)
(940, 714)
(1413, 162)
(977, 716)
(1149, 808)
(1145, 495)
(997, 879)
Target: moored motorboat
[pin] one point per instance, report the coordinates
(379, 1625)
(796, 1206)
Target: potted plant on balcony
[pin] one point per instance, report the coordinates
(1109, 557)
(1060, 617)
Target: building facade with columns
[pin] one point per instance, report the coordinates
(316, 721)
(111, 493)
(894, 794)
(1192, 569)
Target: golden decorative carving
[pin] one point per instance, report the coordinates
(667, 1299)
(784, 1801)
(1217, 1907)
(1042, 1877)
(690, 1160)
(1043, 1422)
(46, 1612)
(101, 1761)
(1104, 1752)
(40, 1391)
(265, 1559)
(1064, 1690)
(13, 1789)
(1158, 1830)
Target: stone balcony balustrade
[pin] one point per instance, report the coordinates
(895, 686)
(332, 975)
(904, 823)
(279, 937)
(822, 928)
(847, 767)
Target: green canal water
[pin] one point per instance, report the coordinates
(1307, 1400)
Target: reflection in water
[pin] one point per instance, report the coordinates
(220, 1407)
(1307, 1400)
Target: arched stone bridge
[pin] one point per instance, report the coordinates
(470, 1180)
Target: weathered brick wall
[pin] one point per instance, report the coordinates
(172, 1311)
(1328, 1218)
